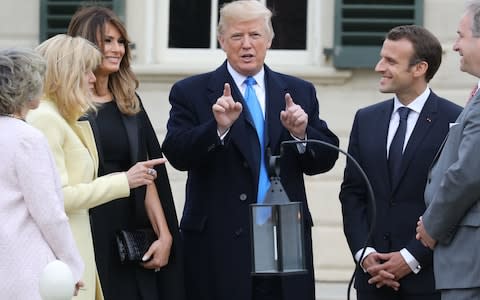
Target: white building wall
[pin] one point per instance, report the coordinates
(19, 23)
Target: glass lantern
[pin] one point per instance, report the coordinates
(277, 234)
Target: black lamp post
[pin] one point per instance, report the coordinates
(277, 231)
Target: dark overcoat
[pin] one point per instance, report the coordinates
(222, 179)
(130, 213)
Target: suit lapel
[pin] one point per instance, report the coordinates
(379, 139)
(131, 127)
(96, 133)
(426, 120)
(275, 90)
(84, 131)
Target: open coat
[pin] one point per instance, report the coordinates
(75, 154)
(222, 179)
(130, 213)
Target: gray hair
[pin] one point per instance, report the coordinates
(21, 78)
(472, 7)
(245, 10)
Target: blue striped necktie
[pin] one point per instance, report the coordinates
(257, 116)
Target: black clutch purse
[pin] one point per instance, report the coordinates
(133, 244)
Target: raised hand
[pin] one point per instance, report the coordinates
(226, 110)
(294, 118)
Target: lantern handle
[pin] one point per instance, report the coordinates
(273, 167)
(369, 189)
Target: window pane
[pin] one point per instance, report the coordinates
(189, 24)
(55, 14)
(289, 23)
(391, 2)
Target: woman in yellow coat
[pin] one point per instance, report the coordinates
(68, 81)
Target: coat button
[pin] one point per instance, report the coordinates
(238, 232)
(243, 197)
(245, 164)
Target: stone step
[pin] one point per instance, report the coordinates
(328, 290)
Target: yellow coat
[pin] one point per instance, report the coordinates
(73, 146)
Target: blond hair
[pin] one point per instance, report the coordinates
(243, 11)
(68, 59)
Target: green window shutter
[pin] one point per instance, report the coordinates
(55, 14)
(361, 26)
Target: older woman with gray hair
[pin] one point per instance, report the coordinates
(35, 228)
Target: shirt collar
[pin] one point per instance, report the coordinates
(416, 105)
(239, 78)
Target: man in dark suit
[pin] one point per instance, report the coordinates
(213, 134)
(451, 222)
(395, 265)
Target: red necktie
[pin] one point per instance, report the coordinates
(473, 92)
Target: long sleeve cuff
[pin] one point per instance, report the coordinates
(222, 136)
(300, 147)
(411, 261)
(367, 252)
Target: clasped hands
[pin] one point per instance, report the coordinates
(386, 269)
(226, 111)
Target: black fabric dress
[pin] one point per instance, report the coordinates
(121, 142)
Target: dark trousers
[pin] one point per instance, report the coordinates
(389, 294)
(266, 288)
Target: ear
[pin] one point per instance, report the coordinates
(420, 69)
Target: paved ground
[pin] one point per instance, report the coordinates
(333, 291)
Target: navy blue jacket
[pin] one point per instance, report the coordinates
(398, 207)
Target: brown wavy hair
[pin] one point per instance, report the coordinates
(89, 22)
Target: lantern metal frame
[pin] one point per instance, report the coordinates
(278, 206)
